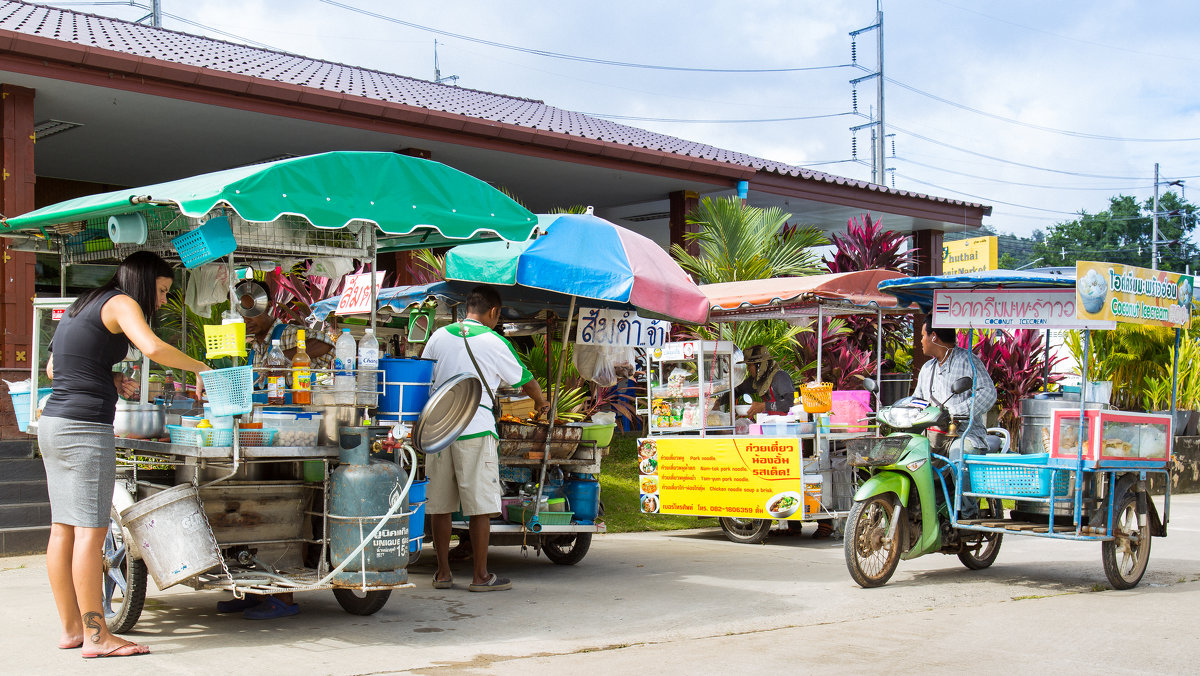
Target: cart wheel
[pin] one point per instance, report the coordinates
(745, 531)
(871, 556)
(124, 592)
(361, 603)
(414, 556)
(568, 549)
(979, 550)
(1126, 555)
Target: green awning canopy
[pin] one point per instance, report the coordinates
(415, 203)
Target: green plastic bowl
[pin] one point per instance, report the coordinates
(600, 433)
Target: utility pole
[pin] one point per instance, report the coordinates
(878, 168)
(437, 71)
(1154, 227)
(155, 15)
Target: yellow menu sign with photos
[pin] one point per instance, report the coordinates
(1125, 293)
(745, 477)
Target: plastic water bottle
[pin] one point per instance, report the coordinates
(368, 361)
(344, 352)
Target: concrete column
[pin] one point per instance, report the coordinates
(928, 247)
(683, 202)
(16, 267)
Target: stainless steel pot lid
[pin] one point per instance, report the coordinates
(447, 413)
(251, 298)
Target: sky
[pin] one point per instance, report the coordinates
(1039, 109)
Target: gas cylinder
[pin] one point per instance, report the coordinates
(361, 490)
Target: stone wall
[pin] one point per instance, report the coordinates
(1185, 467)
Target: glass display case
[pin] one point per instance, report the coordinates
(1112, 438)
(690, 387)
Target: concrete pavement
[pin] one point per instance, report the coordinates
(685, 602)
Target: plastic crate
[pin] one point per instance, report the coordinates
(225, 340)
(210, 241)
(524, 514)
(20, 401)
(260, 437)
(197, 436)
(230, 391)
(1015, 476)
(817, 398)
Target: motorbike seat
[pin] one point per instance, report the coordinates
(994, 444)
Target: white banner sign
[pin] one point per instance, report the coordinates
(356, 297)
(620, 328)
(1010, 309)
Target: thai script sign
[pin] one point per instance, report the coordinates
(750, 478)
(969, 255)
(1129, 294)
(620, 328)
(356, 297)
(1010, 309)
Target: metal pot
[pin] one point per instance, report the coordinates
(139, 420)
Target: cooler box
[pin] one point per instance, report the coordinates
(1111, 439)
(850, 407)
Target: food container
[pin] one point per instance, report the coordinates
(298, 431)
(139, 421)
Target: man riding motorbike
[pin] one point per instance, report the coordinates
(947, 363)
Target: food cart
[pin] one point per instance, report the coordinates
(226, 508)
(590, 280)
(793, 472)
(1091, 473)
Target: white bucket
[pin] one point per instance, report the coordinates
(173, 535)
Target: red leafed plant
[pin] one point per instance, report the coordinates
(296, 291)
(1017, 364)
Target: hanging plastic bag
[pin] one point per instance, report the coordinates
(604, 365)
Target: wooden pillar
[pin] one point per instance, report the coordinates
(928, 247)
(16, 267)
(683, 202)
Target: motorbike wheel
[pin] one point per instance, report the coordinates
(872, 556)
(123, 593)
(745, 531)
(1127, 554)
(981, 550)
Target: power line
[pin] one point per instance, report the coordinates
(634, 118)
(1027, 185)
(571, 57)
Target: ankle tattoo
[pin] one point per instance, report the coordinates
(92, 621)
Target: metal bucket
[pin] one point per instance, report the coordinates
(173, 535)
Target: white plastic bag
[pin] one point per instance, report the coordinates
(19, 386)
(604, 365)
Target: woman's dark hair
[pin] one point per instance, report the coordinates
(136, 277)
(945, 336)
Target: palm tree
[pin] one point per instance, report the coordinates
(738, 242)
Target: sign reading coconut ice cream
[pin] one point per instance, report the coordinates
(1010, 309)
(1124, 293)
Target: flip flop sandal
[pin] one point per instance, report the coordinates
(117, 652)
(443, 584)
(238, 605)
(494, 583)
(271, 609)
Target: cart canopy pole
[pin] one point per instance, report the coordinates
(878, 357)
(373, 252)
(1175, 375)
(1083, 383)
(820, 335)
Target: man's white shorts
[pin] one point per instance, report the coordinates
(468, 472)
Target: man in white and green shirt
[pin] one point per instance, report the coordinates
(468, 472)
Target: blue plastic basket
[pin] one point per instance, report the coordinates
(210, 241)
(1014, 476)
(20, 401)
(200, 436)
(230, 391)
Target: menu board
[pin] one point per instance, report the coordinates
(751, 478)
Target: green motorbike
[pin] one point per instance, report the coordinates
(897, 513)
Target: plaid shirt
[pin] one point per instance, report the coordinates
(935, 379)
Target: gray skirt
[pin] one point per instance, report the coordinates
(81, 467)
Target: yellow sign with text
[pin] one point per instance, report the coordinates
(969, 255)
(744, 477)
(1125, 293)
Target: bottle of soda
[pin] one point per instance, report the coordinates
(277, 368)
(301, 373)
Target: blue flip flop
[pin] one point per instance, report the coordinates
(271, 609)
(238, 605)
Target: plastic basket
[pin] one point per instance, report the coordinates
(1014, 476)
(230, 391)
(518, 475)
(817, 398)
(225, 340)
(197, 436)
(546, 518)
(20, 401)
(210, 241)
(259, 437)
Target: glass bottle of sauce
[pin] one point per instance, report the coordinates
(301, 373)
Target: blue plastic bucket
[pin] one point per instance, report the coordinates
(405, 387)
(416, 523)
(20, 401)
(584, 497)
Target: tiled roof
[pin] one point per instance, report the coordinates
(181, 48)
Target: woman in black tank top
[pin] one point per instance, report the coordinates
(76, 439)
